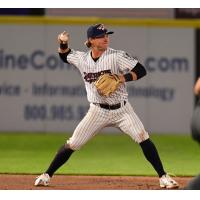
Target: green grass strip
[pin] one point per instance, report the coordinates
(105, 154)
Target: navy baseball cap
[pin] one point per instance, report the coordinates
(97, 30)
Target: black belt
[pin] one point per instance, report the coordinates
(111, 107)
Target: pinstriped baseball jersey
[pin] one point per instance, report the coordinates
(124, 117)
(111, 61)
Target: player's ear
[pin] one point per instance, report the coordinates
(88, 43)
(90, 40)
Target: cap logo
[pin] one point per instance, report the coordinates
(101, 27)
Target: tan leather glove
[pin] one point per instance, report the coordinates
(106, 84)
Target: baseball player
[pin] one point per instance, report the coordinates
(194, 184)
(105, 72)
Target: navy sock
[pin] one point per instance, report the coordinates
(60, 158)
(152, 156)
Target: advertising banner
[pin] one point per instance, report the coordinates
(38, 92)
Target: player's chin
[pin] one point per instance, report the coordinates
(104, 46)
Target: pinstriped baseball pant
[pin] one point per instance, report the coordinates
(97, 118)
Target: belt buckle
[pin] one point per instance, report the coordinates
(107, 106)
(114, 106)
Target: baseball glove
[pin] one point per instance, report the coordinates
(106, 84)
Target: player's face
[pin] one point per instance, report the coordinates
(100, 43)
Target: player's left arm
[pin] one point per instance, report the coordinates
(136, 73)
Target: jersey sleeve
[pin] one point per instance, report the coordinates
(73, 57)
(125, 61)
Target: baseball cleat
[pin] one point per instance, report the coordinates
(167, 182)
(42, 180)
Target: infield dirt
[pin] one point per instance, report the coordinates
(69, 182)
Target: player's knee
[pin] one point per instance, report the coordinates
(72, 145)
(142, 136)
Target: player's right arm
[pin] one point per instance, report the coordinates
(63, 39)
(66, 54)
(63, 49)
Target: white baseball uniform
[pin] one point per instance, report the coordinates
(121, 113)
(114, 110)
